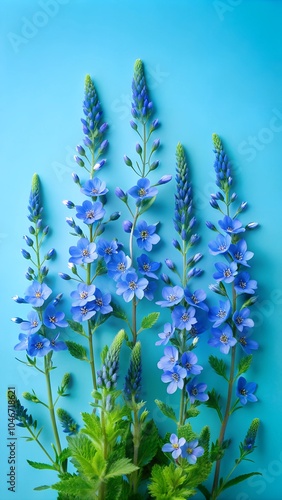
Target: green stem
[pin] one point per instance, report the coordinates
(144, 149)
(91, 356)
(136, 444)
(103, 486)
(35, 438)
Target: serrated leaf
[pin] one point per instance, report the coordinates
(219, 366)
(213, 402)
(149, 320)
(118, 312)
(75, 486)
(239, 479)
(76, 350)
(83, 452)
(166, 410)
(121, 467)
(192, 412)
(149, 443)
(39, 465)
(75, 326)
(244, 364)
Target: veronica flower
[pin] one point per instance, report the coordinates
(189, 360)
(169, 360)
(129, 286)
(93, 127)
(118, 265)
(90, 212)
(222, 338)
(53, 318)
(132, 386)
(244, 284)
(249, 441)
(225, 272)
(141, 105)
(147, 267)
(240, 253)
(143, 190)
(191, 451)
(38, 345)
(23, 344)
(33, 325)
(231, 226)
(219, 314)
(175, 446)
(102, 302)
(68, 423)
(245, 391)
(83, 294)
(196, 391)
(248, 345)
(57, 345)
(107, 376)
(221, 165)
(34, 206)
(175, 378)
(83, 313)
(196, 298)
(107, 249)
(145, 235)
(150, 289)
(197, 329)
(172, 295)
(37, 293)
(183, 317)
(241, 319)
(165, 335)
(94, 187)
(83, 253)
(220, 245)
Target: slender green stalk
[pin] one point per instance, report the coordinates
(47, 360)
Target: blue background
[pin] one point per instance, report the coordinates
(212, 66)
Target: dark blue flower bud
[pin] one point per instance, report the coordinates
(78, 230)
(57, 299)
(70, 221)
(45, 231)
(154, 165)
(164, 179)
(103, 146)
(166, 279)
(25, 254)
(192, 222)
(29, 277)
(243, 206)
(17, 320)
(194, 238)
(64, 276)
(39, 223)
(155, 124)
(80, 150)
(176, 244)
(44, 270)
(155, 145)
(28, 241)
(19, 300)
(138, 149)
(252, 225)
(127, 161)
(103, 128)
(30, 270)
(197, 257)
(69, 204)
(88, 142)
(79, 161)
(120, 194)
(75, 178)
(127, 226)
(31, 229)
(210, 225)
(50, 254)
(133, 125)
(115, 216)
(170, 264)
(183, 235)
(214, 203)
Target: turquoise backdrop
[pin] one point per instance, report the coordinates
(212, 66)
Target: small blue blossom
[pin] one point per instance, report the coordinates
(53, 318)
(172, 295)
(248, 345)
(90, 212)
(118, 265)
(170, 358)
(107, 249)
(149, 291)
(83, 294)
(245, 391)
(191, 451)
(166, 335)
(143, 190)
(231, 226)
(188, 361)
(242, 320)
(240, 254)
(225, 272)
(38, 345)
(146, 235)
(196, 298)
(183, 317)
(220, 245)
(83, 313)
(37, 293)
(147, 267)
(102, 302)
(23, 344)
(222, 338)
(94, 187)
(196, 391)
(244, 284)
(175, 378)
(33, 324)
(57, 345)
(129, 286)
(219, 314)
(175, 446)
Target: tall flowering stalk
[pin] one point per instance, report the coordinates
(231, 317)
(40, 331)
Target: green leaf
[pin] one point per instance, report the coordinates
(43, 487)
(77, 350)
(192, 412)
(76, 486)
(121, 467)
(149, 444)
(204, 491)
(118, 312)
(166, 410)
(213, 402)
(101, 268)
(76, 327)
(93, 429)
(239, 479)
(244, 364)
(146, 204)
(39, 465)
(83, 452)
(149, 320)
(104, 354)
(186, 432)
(219, 366)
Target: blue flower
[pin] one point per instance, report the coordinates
(53, 318)
(197, 329)
(38, 345)
(196, 298)
(83, 313)
(33, 325)
(175, 378)
(147, 267)
(241, 319)
(245, 391)
(90, 212)
(37, 293)
(83, 253)
(222, 338)
(118, 265)
(83, 294)
(248, 345)
(94, 187)
(240, 253)
(183, 317)
(149, 291)
(175, 446)
(244, 284)
(129, 286)
(225, 272)
(172, 295)
(145, 235)
(23, 344)
(221, 165)
(170, 358)
(231, 226)
(220, 245)
(102, 302)
(219, 314)
(166, 334)
(57, 345)
(191, 451)
(107, 249)
(189, 360)
(143, 190)
(196, 391)
(141, 105)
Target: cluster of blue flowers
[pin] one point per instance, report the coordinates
(180, 448)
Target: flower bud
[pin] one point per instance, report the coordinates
(252, 225)
(69, 204)
(154, 165)
(64, 276)
(19, 300)
(155, 124)
(75, 178)
(28, 241)
(45, 230)
(100, 229)
(99, 165)
(233, 197)
(127, 226)
(17, 320)
(50, 254)
(164, 179)
(25, 254)
(214, 203)
(127, 161)
(57, 299)
(120, 194)
(88, 142)
(70, 222)
(31, 229)
(103, 128)
(80, 150)
(165, 279)
(155, 145)
(44, 270)
(170, 264)
(176, 245)
(39, 224)
(197, 257)
(133, 125)
(210, 225)
(79, 161)
(138, 149)
(103, 146)
(28, 277)
(115, 216)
